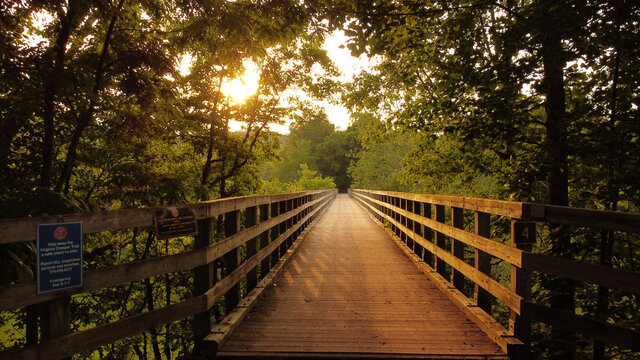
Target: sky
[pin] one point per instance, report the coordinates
(348, 65)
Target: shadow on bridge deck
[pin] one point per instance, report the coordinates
(350, 292)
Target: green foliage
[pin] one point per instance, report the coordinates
(314, 142)
(307, 180)
(443, 165)
(377, 162)
(311, 180)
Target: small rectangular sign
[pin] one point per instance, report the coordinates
(174, 222)
(59, 256)
(524, 232)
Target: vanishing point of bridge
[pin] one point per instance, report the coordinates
(372, 274)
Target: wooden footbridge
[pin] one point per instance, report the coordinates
(317, 274)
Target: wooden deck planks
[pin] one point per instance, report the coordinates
(349, 291)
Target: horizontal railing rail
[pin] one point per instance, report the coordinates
(272, 223)
(419, 223)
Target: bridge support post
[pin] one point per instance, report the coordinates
(418, 229)
(283, 227)
(55, 318)
(231, 259)
(264, 241)
(403, 221)
(410, 224)
(251, 219)
(428, 235)
(482, 260)
(204, 278)
(457, 247)
(275, 232)
(520, 324)
(290, 222)
(441, 243)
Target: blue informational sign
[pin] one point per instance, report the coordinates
(59, 256)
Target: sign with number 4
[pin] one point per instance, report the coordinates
(524, 232)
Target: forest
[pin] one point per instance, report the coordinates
(116, 104)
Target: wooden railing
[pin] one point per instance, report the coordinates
(271, 225)
(419, 224)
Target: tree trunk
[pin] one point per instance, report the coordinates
(607, 237)
(167, 328)
(51, 86)
(87, 116)
(553, 59)
(152, 331)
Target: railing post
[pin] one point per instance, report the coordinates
(520, 325)
(394, 216)
(204, 278)
(283, 227)
(482, 260)
(251, 219)
(264, 240)
(275, 232)
(409, 225)
(55, 318)
(385, 199)
(292, 220)
(418, 229)
(231, 259)
(428, 234)
(457, 247)
(440, 242)
(297, 203)
(403, 219)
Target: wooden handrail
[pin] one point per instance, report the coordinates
(391, 207)
(592, 218)
(21, 230)
(302, 208)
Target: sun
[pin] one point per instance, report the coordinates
(240, 88)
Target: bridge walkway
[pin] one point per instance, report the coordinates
(350, 292)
